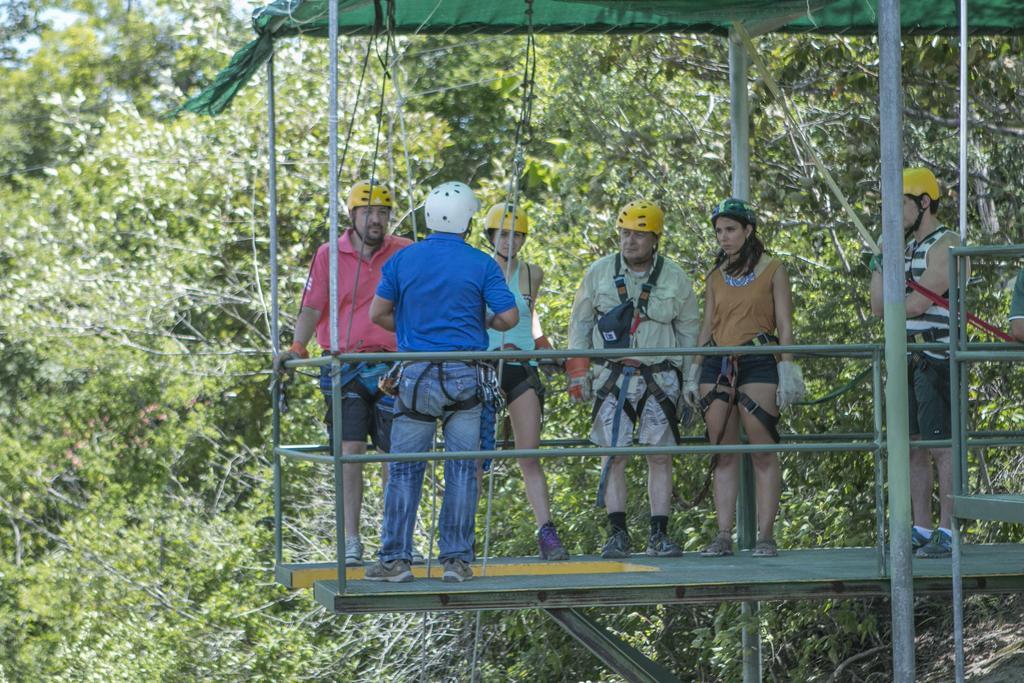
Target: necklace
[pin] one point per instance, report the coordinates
(741, 281)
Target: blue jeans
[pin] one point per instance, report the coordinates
(457, 521)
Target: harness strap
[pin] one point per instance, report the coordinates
(771, 422)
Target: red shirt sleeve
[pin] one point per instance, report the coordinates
(318, 289)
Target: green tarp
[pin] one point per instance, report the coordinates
(286, 18)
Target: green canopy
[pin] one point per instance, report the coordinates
(285, 18)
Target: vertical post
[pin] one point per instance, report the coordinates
(746, 517)
(332, 198)
(897, 422)
(876, 393)
(275, 341)
(964, 131)
(958, 427)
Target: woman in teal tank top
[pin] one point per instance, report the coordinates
(523, 388)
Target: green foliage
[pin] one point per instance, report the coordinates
(136, 486)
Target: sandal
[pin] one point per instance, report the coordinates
(766, 547)
(720, 547)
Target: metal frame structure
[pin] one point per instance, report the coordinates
(895, 347)
(992, 507)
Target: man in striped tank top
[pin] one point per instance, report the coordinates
(926, 262)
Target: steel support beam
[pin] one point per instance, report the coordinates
(897, 422)
(275, 333)
(615, 653)
(746, 516)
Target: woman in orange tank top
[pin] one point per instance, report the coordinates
(747, 300)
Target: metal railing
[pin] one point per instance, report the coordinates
(872, 442)
(961, 352)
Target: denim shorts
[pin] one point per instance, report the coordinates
(757, 369)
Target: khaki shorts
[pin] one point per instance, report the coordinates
(654, 429)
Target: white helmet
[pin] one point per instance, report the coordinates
(450, 207)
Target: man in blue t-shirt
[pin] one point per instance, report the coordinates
(434, 294)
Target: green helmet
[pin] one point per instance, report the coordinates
(736, 209)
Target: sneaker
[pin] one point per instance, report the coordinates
(917, 539)
(549, 543)
(617, 545)
(940, 545)
(660, 545)
(396, 571)
(353, 552)
(456, 571)
(720, 547)
(765, 547)
(417, 557)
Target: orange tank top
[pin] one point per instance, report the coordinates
(741, 313)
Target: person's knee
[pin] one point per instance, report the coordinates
(764, 461)
(659, 460)
(728, 461)
(619, 462)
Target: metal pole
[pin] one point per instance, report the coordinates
(876, 394)
(964, 131)
(958, 427)
(897, 422)
(332, 190)
(275, 341)
(746, 517)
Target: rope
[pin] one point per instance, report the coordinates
(791, 119)
(836, 392)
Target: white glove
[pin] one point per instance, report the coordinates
(791, 384)
(691, 386)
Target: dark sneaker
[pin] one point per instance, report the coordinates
(396, 571)
(660, 545)
(765, 547)
(417, 557)
(353, 552)
(917, 540)
(456, 571)
(617, 545)
(940, 545)
(549, 543)
(720, 547)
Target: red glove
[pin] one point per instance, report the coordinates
(579, 382)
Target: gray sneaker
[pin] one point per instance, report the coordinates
(353, 552)
(660, 545)
(456, 571)
(720, 547)
(617, 545)
(417, 557)
(396, 571)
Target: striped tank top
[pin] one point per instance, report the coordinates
(915, 260)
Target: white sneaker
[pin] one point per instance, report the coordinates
(353, 552)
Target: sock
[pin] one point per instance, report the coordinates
(659, 523)
(927, 533)
(617, 520)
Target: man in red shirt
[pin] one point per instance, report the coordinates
(362, 251)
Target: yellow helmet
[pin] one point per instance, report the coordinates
(369, 193)
(919, 181)
(642, 215)
(500, 215)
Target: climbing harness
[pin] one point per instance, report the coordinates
(619, 324)
(628, 369)
(730, 373)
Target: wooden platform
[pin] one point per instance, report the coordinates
(523, 583)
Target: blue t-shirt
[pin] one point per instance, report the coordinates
(441, 287)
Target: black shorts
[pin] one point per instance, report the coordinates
(757, 369)
(928, 396)
(517, 379)
(361, 418)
